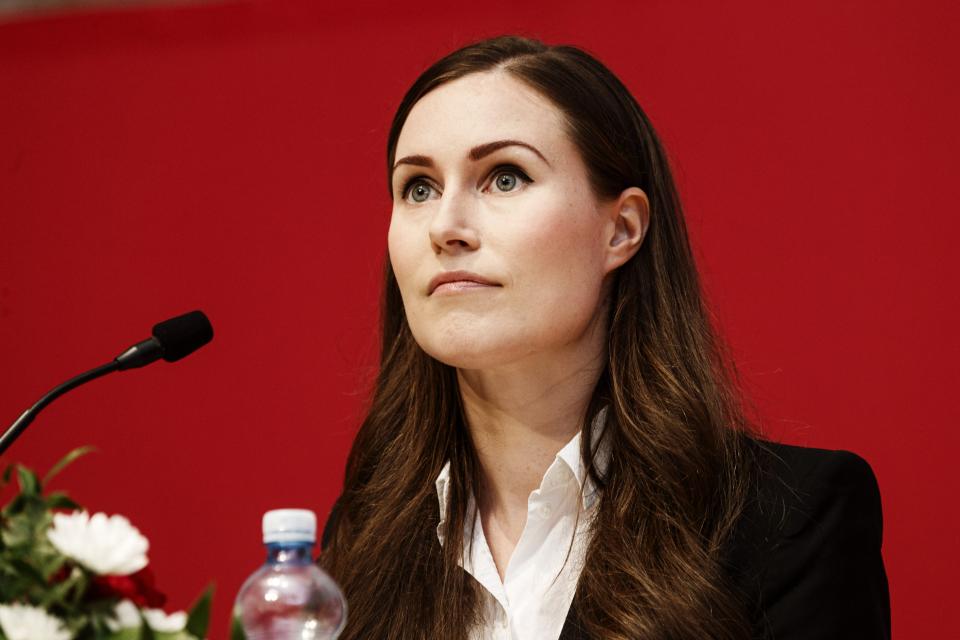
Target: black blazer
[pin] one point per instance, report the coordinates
(806, 553)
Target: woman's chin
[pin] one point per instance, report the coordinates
(472, 352)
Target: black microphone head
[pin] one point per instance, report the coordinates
(181, 336)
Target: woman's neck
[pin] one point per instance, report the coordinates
(519, 418)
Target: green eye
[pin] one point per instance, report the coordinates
(420, 192)
(506, 181)
(508, 178)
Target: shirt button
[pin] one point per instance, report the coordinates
(544, 511)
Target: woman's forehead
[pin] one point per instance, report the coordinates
(476, 109)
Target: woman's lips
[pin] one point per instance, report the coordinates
(458, 286)
(457, 281)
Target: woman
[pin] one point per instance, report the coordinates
(555, 446)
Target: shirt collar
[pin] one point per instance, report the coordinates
(569, 457)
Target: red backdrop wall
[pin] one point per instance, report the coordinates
(231, 158)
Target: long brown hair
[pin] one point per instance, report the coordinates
(679, 472)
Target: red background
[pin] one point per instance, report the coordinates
(231, 158)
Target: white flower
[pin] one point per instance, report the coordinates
(128, 617)
(167, 623)
(106, 546)
(23, 622)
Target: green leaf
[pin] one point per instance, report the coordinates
(199, 617)
(236, 629)
(27, 570)
(60, 500)
(50, 562)
(130, 633)
(58, 592)
(19, 531)
(29, 485)
(13, 584)
(15, 506)
(77, 625)
(100, 615)
(67, 459)
(146, 632)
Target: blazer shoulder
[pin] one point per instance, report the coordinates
(807, 552)
(799, 487)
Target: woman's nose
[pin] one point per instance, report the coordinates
(453, 228)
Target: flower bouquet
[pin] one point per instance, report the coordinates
(67, 575)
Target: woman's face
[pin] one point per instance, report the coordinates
(486, 181)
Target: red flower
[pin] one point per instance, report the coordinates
(60, 575)
(138, 587)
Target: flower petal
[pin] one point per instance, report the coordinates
(105, 545)
(23, 622)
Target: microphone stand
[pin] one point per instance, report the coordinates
(172, 339)
(21, 423)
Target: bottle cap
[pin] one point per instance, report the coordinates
(289, 525)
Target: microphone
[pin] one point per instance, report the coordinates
(172, 340)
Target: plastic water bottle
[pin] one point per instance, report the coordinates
(289, 597)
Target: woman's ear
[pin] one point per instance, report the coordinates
(628, 223)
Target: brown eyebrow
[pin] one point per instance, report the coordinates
(475, 154)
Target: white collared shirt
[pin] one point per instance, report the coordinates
(532, 601)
